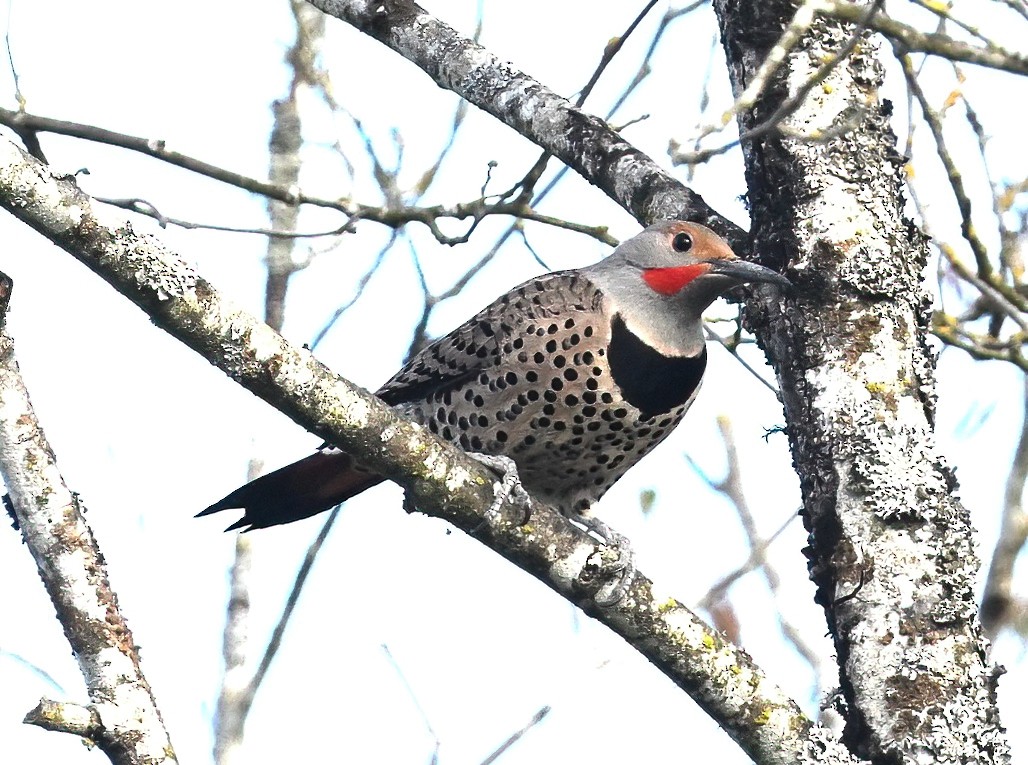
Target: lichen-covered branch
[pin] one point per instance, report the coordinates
(580, 140)
(891, 550)
(122, 717)
(439, 479)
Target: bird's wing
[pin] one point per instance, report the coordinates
(485, 340)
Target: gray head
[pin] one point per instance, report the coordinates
(663, 278)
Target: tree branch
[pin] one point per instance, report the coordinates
(394, 214)
(439, 479)
(911, 39)
(122, 717)
(580, 140)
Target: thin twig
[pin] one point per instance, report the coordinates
(294, 596)
(934, 122)
(537, 718)
(914, 40)
(731, 487)
(791, 104)
(142, 207)
(1000, 608)
(415, 700)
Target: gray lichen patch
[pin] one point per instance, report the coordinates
(148, 258)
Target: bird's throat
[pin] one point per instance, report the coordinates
(649, 380)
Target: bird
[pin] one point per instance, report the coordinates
(572, 377)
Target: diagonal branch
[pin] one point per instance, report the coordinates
(580, 140)
(441, 480)
(122, 716)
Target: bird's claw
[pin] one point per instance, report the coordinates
(508, 487)
(619, 573)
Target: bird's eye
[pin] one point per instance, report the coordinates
(682, 242)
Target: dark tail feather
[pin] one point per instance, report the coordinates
(296, 491)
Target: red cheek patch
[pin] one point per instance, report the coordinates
(668, 281)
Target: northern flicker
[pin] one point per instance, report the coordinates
(574, 376)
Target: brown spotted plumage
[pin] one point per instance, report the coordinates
(575, 376)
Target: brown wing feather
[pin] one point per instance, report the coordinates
(480, 342)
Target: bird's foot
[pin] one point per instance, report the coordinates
(508, 487)
(619, 572)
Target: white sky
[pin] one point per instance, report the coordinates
(149, 434)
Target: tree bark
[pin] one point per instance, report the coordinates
(890, 544)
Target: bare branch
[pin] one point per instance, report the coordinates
(911, 39)
(392, 215)
(956, 181)
(415, 700)
(234, 696)
(800, 24)
(581, 141)
(142, 207)
(65, 717)
(291, 600)
(122, 717)
(798, 27)
(1000, 607)
(237, 693)
(610, 51)
(731, 487)
(157, 148)
(358, 292)
(980, 347)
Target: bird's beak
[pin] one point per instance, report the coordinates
(743, 272)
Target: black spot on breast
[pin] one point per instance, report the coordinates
(650, 381)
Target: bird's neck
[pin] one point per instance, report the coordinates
(675, 334)
(671, 325)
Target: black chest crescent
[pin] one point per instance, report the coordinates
(649, 380)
